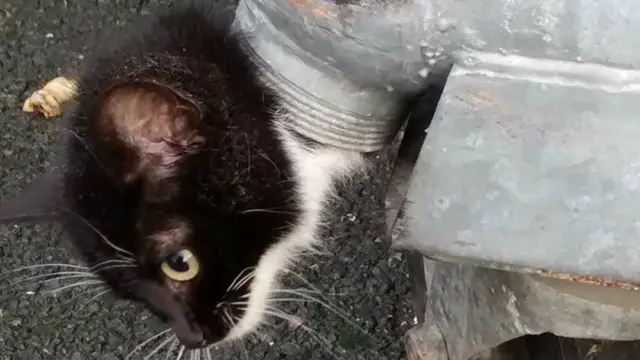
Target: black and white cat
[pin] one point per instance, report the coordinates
(178, 161)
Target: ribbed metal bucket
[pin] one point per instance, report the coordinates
(345, 70)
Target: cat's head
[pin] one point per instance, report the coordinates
(174, 194)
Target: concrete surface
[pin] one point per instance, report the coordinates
(39, 39)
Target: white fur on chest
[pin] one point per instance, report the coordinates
(316, 171)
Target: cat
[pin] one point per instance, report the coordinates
(176, 161)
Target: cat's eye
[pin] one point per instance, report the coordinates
(181, 266)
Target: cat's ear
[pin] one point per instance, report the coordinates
(40, 200)
(156, 125)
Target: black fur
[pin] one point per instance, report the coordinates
(242, 167)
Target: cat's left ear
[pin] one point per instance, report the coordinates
(39, 200)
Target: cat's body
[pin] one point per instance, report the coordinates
(178, 164)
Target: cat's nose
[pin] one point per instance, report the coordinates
(189, 333)
(191, 337)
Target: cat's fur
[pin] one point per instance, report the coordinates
(175, 143)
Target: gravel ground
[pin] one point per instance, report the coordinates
(43, 38)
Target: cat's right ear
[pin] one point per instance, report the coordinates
(156, 125)
(40, 200)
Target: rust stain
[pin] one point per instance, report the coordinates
(590, 280)
(311, 6)
(483, 99)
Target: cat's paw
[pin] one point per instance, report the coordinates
(49, 99)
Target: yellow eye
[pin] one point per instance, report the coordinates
(181, 266)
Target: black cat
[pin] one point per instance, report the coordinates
(177, 161)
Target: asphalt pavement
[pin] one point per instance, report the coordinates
(40, 39)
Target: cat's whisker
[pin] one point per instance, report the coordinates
(304, 281)
(298, 300)
(207, 354)
(145, 343)
(159, 347)
(109, 262)
(238, 277)
(225, 320)
(292, 320)
(125, 257)
(239, 303)
(308, 298)
(118, 266)
(101, 235)
(40, 276)
(180, 353)
(244, 280)
(266, 157)
(87, 291)
(299, 291)
(229, 318)
(309, 291)
(31, 267)
(50, 277)
(269, 211)
(68, 277)
(88, 148)
(172, 348)
(80, 283)
(96, 296)
(244, 309)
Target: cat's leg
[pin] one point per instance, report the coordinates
(49, 99)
